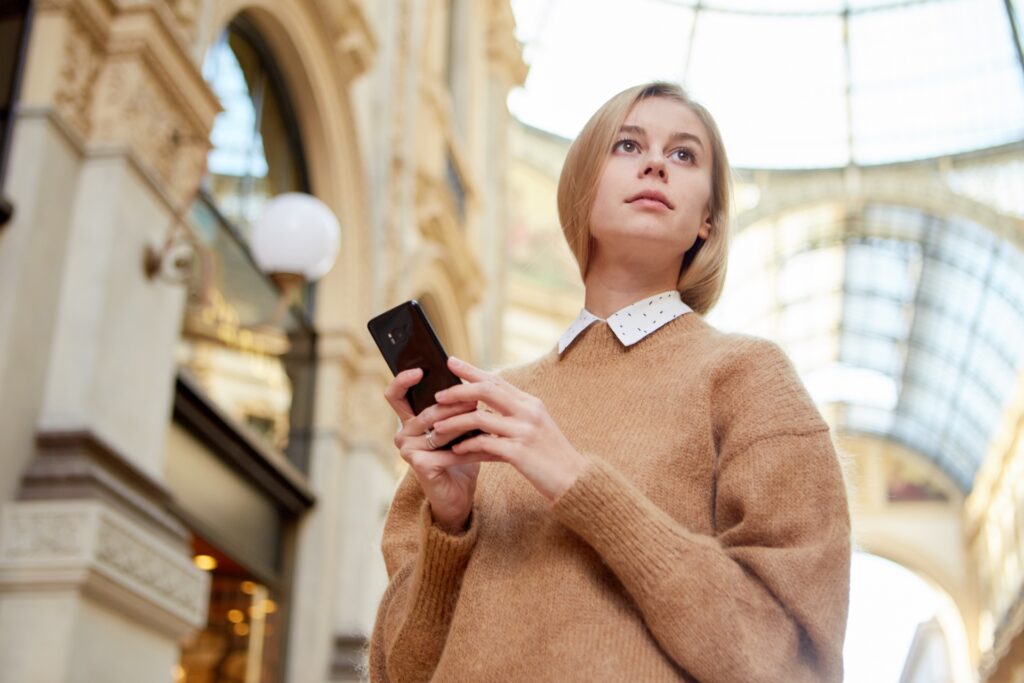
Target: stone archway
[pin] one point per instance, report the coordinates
(924, 535)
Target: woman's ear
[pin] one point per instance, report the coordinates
(705, 226)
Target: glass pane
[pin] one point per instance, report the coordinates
(874, 315)
(776, 7)
(933, 306)
(254, 155)
(775, 86)
(955, 86)
(878, 353)
(574, 71)
(811, 273)
(927, 78)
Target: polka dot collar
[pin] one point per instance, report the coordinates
(634, 322)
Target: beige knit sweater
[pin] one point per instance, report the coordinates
(708, 539)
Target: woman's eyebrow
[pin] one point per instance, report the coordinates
(633, 130)
(675, 137)
(686, 136)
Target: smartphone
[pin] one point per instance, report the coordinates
(407, 340)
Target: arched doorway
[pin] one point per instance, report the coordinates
(902, 627)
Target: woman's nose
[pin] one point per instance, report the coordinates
(654, 165)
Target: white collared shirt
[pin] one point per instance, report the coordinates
(634, 322)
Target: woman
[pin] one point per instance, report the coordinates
(662, 501)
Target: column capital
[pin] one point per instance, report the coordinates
(120, 76)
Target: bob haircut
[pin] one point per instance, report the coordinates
(702, 271)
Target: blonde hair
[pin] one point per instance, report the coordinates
(702, 271)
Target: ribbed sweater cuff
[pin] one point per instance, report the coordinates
(441, 563)
(637, 539)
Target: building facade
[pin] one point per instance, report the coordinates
(196, 460)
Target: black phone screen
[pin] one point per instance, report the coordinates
(407, 340)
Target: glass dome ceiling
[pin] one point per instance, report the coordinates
(792, 83)
(909, 325)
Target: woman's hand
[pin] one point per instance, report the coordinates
(521, 432)
(448, 481)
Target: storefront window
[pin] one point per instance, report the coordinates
(240, 643)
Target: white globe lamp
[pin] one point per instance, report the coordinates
(295, 240)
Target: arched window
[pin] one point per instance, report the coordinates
(257, 151)
(238, 345)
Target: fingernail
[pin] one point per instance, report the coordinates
(454, 360)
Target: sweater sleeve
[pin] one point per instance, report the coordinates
(765, 598)
(425, 567)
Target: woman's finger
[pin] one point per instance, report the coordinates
(435, 413)
(467, 370)
(434, 460)
(439, 411)
(499, 397)
(485, 445)
(481, 386)
(492, 423)
(398, 388)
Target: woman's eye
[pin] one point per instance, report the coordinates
(683, 155)
(628, 146)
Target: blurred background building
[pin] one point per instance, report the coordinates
(196, 457)
(195, 454)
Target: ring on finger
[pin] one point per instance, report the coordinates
(430, 439)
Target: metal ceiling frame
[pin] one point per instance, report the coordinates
(954, 445)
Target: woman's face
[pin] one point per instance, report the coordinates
(653, 195)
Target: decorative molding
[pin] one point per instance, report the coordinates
(122, 551)
(131, 110)
(76, 465)
(186, 12)
(351, 34)
(436, 217)
(89, 547)
(83, 57)
(46, 534)
(127, 82)
(503, 49)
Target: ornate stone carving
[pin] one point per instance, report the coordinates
(125, 80)
(187, 13)
(125, 553)
(80, 66)
(132, 109)
(53, 534)
(86, 545)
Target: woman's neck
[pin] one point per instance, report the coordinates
(611, 289)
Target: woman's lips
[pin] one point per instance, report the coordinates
(650, 199)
